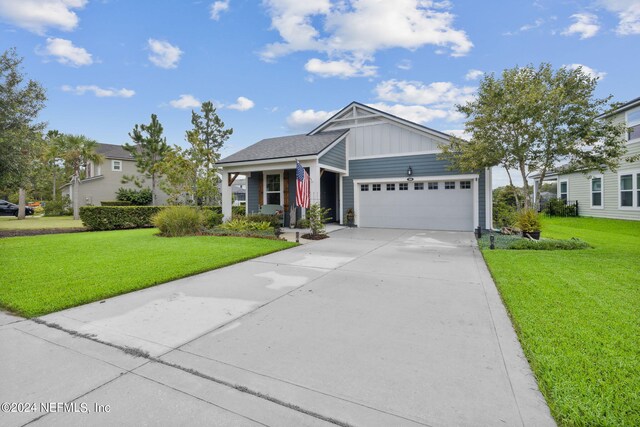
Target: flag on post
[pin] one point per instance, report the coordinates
(302, 187)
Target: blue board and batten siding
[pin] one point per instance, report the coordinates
(336, 157)
(396, 167)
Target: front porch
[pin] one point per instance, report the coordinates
(275, 184)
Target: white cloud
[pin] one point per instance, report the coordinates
(185, 101)
(242, 104)
(460, 133)
(66, 53)
(473, 74)
(164, 54)
(39, 15)
(437, 94)
(536, 24)
(405, 64)
(217, 8)
(585, 25)
(629, 14)
(306, 120)
(354, 30)
(416, 113)
(341, 68)
(100, 92)
(593, 73)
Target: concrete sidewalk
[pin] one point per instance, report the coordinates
(368, 327)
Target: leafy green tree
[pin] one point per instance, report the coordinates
(317, 216)
(533, 120)
(52, 158)
(179, 173)
(20, 103)
(148, 149)
(207, 138)
(77, 151)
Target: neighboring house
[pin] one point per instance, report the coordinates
(102, 181)
(609, 194)
(383, 167)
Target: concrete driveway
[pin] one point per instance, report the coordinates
(369, 327)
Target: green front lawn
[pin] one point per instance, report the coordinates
(43, 274)
(577, 314)
(38, 222)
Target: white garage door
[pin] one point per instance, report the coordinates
(432, 205)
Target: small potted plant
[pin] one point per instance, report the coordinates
(528, 221)
(350, 217)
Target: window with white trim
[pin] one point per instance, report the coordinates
(633, 124)
(273, 189)
(596, 191)
(432, 186)
(449, 185)
(418, 186)
(375, 187)
(391, 187)
(629, 190)
(465, 185)
(403, 186)
(364, 187)
(564, 190)
(116, 165)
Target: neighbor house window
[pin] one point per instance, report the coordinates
(375, 187)
(391, 187)
(596, 192)
(626, 190)
(116, 165)
(418, 186)
(403, 186)
(465, 185)
(432, 186)
(272, 189)
(633, 123)
(449, 185)
(364, 187)
(564, 190)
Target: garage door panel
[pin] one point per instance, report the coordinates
(441, 209)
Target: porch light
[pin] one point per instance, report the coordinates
(409, 171)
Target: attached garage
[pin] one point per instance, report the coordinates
(423, 203)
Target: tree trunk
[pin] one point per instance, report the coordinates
(54, 186)
(525, 186)
(76, 197)
(21, 203)
(515, 191)
(153, 189)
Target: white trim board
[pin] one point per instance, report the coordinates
(408, 153)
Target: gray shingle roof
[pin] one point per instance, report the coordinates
(112, 151)
(285, 146)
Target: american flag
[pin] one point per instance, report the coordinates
(302, 187)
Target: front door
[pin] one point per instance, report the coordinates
(329, 193)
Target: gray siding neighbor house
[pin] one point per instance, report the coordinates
(102, 181)
(384, 168)
(609, 194)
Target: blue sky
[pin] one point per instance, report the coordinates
(277, 67)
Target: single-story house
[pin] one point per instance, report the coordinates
(383, 167)
(102, 181)
(612, 194)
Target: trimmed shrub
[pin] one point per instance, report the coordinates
(274, 220)
(115, 203)
(141, 197)
(549, 244)
(118, 217)
(244, 224)
(59, 207)
(211, 218)
(176, 221)
(528, 220)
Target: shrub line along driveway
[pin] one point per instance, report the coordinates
(370, 327)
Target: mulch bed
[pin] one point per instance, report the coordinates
(316, 237)
(20, 233)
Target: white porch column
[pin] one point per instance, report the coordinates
(314, 175)
(226, 196)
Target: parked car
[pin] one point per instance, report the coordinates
(8, 209)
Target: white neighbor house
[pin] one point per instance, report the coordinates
(609, 194)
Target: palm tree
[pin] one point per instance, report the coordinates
(52, 156)
(77, 151)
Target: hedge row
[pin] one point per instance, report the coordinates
(123, 217)
(114, 203)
